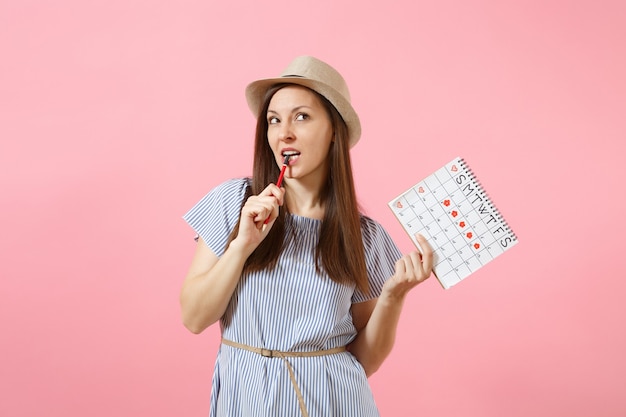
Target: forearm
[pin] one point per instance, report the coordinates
(375, 341)
(205, 296)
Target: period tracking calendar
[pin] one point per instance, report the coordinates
(453, 212)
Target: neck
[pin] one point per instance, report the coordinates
(304, 201)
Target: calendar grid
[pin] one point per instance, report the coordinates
(453, 212)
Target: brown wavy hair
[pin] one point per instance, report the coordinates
(340, 247)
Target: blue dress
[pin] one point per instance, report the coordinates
(290, 308)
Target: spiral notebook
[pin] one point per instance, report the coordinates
(453, 212)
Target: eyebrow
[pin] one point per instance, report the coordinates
(294, 110)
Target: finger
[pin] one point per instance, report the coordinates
(259, 208)
(274, 191)
(276, 194)
(400, 267)
(270, 213)
(427, 253)
(273, 214)
(409, 270)
(268, 190)
(270, 205)
(416, 263)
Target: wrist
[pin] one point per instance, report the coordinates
(240, 247)
(392, 296)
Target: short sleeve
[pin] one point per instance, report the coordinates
(381, 255)
(215, 216)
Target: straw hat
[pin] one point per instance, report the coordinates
(318, 76)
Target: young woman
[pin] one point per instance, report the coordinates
(308, 290)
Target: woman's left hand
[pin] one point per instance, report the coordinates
(411, 270)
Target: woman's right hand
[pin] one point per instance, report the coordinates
(212, 280)
(256, 211)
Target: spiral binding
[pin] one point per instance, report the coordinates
(465, 166)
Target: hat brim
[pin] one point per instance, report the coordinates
(255, 93)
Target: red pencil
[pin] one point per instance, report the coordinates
(280, 177)
(282, 172)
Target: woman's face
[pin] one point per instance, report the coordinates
(298, 124)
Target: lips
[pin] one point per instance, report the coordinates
(292, 153)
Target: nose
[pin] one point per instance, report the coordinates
(285, 133)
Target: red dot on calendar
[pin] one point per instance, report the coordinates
(462, 224)
(446, 203)
(454, 168)
(399, 204)
(421, 189)
(454, 213)
(469, 235)
(476, 245)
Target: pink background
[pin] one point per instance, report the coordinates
(117, 116)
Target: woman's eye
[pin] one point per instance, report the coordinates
(272, 120)
(302, 116)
